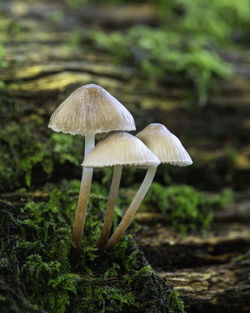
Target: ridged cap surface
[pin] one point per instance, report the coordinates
(90, 109)
(165, 145)
(120, 148)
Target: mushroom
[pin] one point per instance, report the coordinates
(168, 148)
(117, 150)
(89, 110)
(165, 145)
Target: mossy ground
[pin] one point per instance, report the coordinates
(36, 274)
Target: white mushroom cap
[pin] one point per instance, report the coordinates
(121, 148)
(90, 109)
(165, 145)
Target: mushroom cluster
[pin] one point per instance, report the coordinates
(91, 110)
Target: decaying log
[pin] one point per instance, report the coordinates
(211, 274)
(215, 289)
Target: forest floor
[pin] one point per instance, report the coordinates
(44, 64)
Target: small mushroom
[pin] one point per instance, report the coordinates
(117, 150)
(165, 145)
(89, 110)
(168, 148)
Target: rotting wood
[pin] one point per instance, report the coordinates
(212, 289)
(207, 272)
(165, 248)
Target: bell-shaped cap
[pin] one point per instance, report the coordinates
(90, 109)
(121, 148)
(165, 145)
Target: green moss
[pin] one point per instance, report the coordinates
(187, 40)
(24, 147)
(159, 52)
(35, 272)
(2, 63)
(222, 199)
(243, 259)
(186, 208)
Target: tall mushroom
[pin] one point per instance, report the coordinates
(117, 150)
(168, 148)
(89, 110)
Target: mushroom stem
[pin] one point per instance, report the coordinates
(108, 219)
(131, 211)
(83, 198)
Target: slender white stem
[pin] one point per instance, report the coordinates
(83, 198)
(131, 211)
(108, 219)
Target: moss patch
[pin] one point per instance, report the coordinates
(25, 147)
(35, 272)
(186, 40)
(186, 208)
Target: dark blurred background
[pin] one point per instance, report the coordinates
(182, 63)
